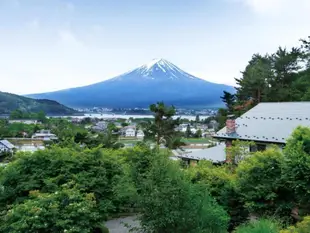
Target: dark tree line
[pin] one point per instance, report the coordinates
(278, 77)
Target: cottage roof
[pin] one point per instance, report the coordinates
(7, 144)
(215, 154)
(270, 122)
(129, 127)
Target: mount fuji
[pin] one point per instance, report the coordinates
(159, 80)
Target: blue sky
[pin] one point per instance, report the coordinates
(47, 45)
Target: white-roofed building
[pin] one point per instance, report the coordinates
(140, 134)
(216, 154)
(6, 146)
(45, 135)
(266, 124)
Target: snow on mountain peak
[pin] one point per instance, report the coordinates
(157, 69)
(154, 62)
(160, 65)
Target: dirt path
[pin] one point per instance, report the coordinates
(117, 225)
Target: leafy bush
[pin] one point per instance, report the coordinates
(171, 203)
(221, 183)
(260, 185)
(66, 210)
(259, 226)
(301, 227)
(93, 171)
(296, 169)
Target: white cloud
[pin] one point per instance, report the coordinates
(277, 7)
(67, 37)
(263, 6)
(276, 23)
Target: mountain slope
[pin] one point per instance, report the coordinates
(159, 80)
(10, 102)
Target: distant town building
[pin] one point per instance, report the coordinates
(216, 155)
(76, 120)
(100, 126)
(213, 124)
(24, 121)
(118, 124)
(140, 134)
(6, 146)
(45, 135)
(128, 131)
(193, 130)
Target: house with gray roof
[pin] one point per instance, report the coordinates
(100, 126)
(45, 135)
(6, 146)
(215, 154)
(266, 124)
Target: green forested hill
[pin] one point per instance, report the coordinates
(10, 102)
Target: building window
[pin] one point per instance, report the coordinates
(261, 147)
(253, 148)
(257, 147)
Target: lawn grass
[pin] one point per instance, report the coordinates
(131, 141)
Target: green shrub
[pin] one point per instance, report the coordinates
(259, 181)
(101, 172)
(301, 227)
(170, 203)
(221, 183)
(101, 229)
(259, 226)
(66, 210)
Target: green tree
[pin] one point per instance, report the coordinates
(101, 172)
(17, 114)
(171, 203)
(66, 210)
(254, 81)
(81, 137)
(86, 121)
(112, 127)
(188, 132)
(259, 180)
(139, 158)
(229, 100)
(197, 119)
(3, 128)
(124, 124)
(221, 117)
(286, 65)
(162, 128)
(198, 134)
(277, 77)
(296, 169)
(107, 139)
(221, 183)
(41, 116)
(305, 48)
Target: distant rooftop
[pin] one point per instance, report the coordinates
(7, 144)
(270, 122)
(215, 154)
